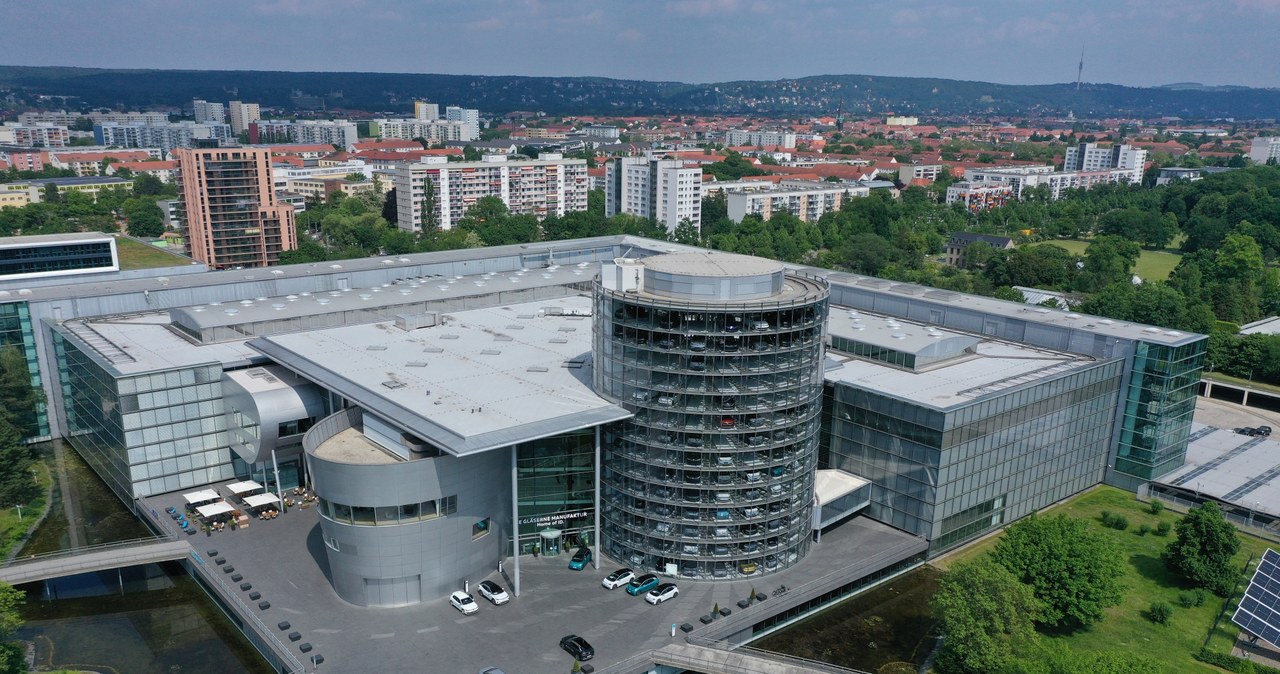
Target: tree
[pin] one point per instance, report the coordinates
(1107, 260)
(686, 233)
(51, 195)
(12, 656)
(19, 400)
(17, 486)
(1074, 571)
(1202, 550)
(146, 220)
(987, 616)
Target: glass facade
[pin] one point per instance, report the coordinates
(950, 475)
(86, 256)
(713, 476)
(555, 487)
(1159, 404)
(16, 332)
(147, 433)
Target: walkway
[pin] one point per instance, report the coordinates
(93, 558)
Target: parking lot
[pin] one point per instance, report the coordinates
(284, 559)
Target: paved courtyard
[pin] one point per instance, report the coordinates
(285, 560)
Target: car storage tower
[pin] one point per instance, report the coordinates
(720, 357)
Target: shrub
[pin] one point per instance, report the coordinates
(1163, 529)
(1192, 598)
(1160, 613)
(1157, 507)
(1231, 663)
(1144, 530)
(1119, 523)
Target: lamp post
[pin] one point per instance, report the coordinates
(19, 507)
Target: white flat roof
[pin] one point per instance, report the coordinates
(201, 496)
(148, 344)
(238, 488)
(258, 500)
(214, 509)
(485, 378)
(830, 484)
(1234, 468)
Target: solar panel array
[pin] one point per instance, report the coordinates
(1259, 610)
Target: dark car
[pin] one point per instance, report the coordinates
(1263, 430)
(577, 647)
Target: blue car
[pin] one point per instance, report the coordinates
(642, 584)
(580, 559)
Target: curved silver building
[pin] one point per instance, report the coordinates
(719, 357)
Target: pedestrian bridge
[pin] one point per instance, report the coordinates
(93, 558)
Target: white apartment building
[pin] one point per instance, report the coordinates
(806, 200)
(979, 196)
(549, 185)
(901, 120)
(64, 118)
(601, 131)
(1264, 149)
(206, 112)
(436, 131)
(737, 137)
(426, 112)
(283, 174)
(468, 116)
(34, 135)
(329, 132)
(1021, 177)
(164, 136)
(242, 114)
(664, 190)
(1092, 157)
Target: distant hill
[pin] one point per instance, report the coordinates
(858, 94)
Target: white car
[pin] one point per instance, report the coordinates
(662, 593)
(617, 579)
(494, 592)
(463, 602)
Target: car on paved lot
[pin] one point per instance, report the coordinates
(577, 647)
(641, 585)
(662, 593)
(747, 568)
(617, 579)
(463, 602)
(491, 670)
(494, 592)
(580, 559)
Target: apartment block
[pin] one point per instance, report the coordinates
(208, 113)
(1093, 157)
(167, 137)
(1022, 177)
(664, 190)
(1264, 149)
(34, 135)
(979, 196)
(737, 137)
(601, 131)
(230, 211)
(330, 132)
(806, 201)
(468, 116)
(242, 114)
(549, 185)
(436, 131)
(64, 118)
(426, 112)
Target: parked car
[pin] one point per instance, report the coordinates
(577, 647)
(494, 592)
(662, 593)
(580, 559)
(491, 670)
(641, 585)
(463, 602)
(747, 568)
(697, 345)
(617, 579)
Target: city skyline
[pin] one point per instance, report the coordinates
(1130, 42)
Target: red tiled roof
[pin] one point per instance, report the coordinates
(153, 165)
(94, 157)
(387, 144)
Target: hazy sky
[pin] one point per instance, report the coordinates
(1134, 42)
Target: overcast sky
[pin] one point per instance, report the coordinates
(1133, 42)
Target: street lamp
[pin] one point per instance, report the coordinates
(19, 507)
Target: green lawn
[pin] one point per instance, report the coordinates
(13, 529)
(137, 255)
(1148, 581)
(1152, 265)
(1240, 381)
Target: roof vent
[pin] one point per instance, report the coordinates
(393, 384)
(448, 336)
(335, 266)
(536, 368)
(433, 349)
(1173, 333)
(490, 352)
(231, 311)
(277, 306)
(416, 363)
(1153, 331)
(1106, 321)
(1042, 310)
(899, 335)
(376, 347)
(1073, 316)
(322, 300)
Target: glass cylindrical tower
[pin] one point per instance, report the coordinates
(720, 358)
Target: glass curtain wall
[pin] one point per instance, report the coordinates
(1158, 408)
(555, 483)
(16, 332)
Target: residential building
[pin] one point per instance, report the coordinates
(601, 131)
(901, 120)
(89, 185)
(162, 170)
(469, 117)
(320, 188)
(978, 196)
(1174, 173)
(962, 240)
(69, 119)
(685, 419)
(806, 200)
(14, 195)
(332, 132)
(926, 172)
(738, 137)
(1264, 149)
(283, 174)
(1091, 157)
(167, 137)
(1022, 177)
(231, 216)
(665, 190)
(436, 131)
(242, 114)
(426, 112)
(549, 185)
(95, 163)
(208, 113)
(48, 255)
(34, 135)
